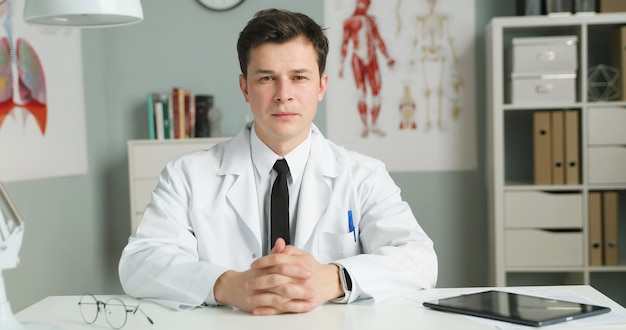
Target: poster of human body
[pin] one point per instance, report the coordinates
(401, 81)
(42, 115)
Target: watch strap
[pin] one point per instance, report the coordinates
(346, 285)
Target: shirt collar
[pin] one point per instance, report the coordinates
(264, 158)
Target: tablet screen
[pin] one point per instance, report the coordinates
(516, 308)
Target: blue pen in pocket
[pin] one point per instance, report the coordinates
(351, 224)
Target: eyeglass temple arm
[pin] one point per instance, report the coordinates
(134, 311)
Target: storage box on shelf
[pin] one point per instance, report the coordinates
(544, 69)
(146, 160)
(540, 229)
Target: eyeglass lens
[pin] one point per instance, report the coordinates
(114, 309)
(115, 313)
(88, 308)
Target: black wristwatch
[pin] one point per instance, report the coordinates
(346, 281)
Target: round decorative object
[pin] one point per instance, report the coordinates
(603, 83)
(220, 5)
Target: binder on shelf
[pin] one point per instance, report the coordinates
(618, 58)
(610, 224)
(557, 146)
(541, 148)
(596, 245)
(572, 145)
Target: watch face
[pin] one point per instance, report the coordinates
(221, 5)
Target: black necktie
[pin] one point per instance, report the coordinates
(280, 204)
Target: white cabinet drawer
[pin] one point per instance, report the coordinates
(607, 126)
(539, 209)
(536, 247)
(607, 164)
(545, 54)
(543, 88)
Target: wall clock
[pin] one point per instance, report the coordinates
(220, 5)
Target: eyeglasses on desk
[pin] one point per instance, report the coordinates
(115, 311)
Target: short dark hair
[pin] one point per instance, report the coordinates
(279, 26)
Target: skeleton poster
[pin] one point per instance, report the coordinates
(42, 115)
(401, 81)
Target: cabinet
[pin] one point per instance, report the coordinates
(540, 233)
(146, 159)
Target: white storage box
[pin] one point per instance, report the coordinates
(607, 164)
(539, 209)
(541, 88)
(545, 54)
(535, 247)
(607, 126)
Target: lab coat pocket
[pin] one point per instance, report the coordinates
(337, 246)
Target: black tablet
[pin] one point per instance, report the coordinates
(516, 308)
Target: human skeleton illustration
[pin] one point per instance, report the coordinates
(433, 43)
(361, 29)
(407, 110)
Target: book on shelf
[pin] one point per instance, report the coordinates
(158, 120)
(203, 103)
(165, 101)
(158, 116)
(151, 124)
(179, 114)
(190, 116)
(178, 103)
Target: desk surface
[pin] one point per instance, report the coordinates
(401, 313)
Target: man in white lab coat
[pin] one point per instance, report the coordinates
(205, 236)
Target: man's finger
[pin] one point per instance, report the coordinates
(279, 246)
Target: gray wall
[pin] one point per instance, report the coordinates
(77, 226)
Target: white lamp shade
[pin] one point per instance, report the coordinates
(83, 13)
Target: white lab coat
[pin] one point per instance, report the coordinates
(203, 220)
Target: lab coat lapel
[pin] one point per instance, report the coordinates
(316, 189)
(242, 193)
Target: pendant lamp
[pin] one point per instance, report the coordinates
(83, 13)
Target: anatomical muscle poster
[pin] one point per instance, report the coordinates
(42, 115)
(401, 81)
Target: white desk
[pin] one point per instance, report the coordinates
(396, 314)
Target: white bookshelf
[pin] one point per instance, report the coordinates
(526, 245)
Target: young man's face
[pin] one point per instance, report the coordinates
(283, 89)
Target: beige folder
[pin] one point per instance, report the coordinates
(610, 221)
(572, 147)
(541, 148)
(557, 147)
(595, 229)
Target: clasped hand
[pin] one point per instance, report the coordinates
(288, 280)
